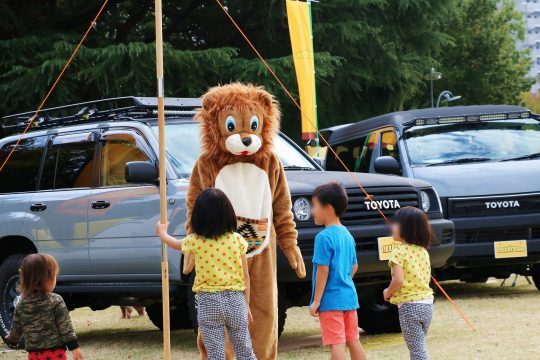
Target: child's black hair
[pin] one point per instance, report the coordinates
(332, 194)
(414, 226)
(213, 214)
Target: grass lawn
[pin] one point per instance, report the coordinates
(507, 321)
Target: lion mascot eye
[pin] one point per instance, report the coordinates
(230, 123)
(254, 123)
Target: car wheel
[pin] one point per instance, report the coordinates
(9, 296)
(179, 315)
(535, 273)
(283, 305)
(377, 316)
(192, 306)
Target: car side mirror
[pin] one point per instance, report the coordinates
(319, 161)
(387, 165)
(141, 172)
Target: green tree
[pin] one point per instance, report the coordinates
(370, 54)
(483, 65)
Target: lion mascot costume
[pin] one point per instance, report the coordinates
(238, 125)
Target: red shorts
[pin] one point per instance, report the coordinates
(339, 327)
(58, 354)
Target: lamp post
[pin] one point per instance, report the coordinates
(432, 76)
(448, 96)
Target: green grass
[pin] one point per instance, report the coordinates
(507, 321)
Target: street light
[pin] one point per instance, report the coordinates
(448, 96)
(432, 76)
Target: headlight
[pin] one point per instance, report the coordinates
(426, 203)
(302, 209)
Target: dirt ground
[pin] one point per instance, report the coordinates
(507, 321)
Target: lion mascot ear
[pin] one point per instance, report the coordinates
(271, 107)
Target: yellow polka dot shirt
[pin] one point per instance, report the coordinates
(416, 266)
(218, 262)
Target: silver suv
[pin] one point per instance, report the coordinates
(81, 186)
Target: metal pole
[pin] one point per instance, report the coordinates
(431, 81)
(162, 180)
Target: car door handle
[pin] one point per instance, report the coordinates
(38, 207)
(101, 204)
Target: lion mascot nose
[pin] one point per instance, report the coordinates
(246, 141)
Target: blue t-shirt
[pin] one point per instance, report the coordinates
(334, 247)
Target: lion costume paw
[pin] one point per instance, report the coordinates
(296, 261)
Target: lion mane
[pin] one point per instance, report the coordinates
(243, 98)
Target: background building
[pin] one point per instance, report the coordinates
(531, 12)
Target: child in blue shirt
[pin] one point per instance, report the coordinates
(334, 299)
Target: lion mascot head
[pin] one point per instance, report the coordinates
(238, 122)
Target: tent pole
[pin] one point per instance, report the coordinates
(162, 180)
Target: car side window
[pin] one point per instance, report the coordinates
(69, 162)
(21, 171)
(389, 144)
(117, 149)
(356, 154)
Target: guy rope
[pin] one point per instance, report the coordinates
(53, 86)
(321, 137)
(162, 161)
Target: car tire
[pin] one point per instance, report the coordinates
(535, 274)
(179, 315)
(376, 316)
(192, 306)
(9, 280)
(283, 305)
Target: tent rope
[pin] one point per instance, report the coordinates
(53, 86)
(321, 136)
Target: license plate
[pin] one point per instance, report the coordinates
(386, 245)
(510, 249)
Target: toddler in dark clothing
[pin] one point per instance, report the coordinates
(41, 316)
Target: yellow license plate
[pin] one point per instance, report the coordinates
(386, 245)
(510, 249)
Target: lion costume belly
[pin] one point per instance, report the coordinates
(252, 205)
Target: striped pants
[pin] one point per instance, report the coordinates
(219, 311)
(414, 319)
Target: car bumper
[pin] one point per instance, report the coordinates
(369, 265)
(475, 239)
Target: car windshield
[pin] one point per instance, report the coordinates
(183, 149)
(433, 145)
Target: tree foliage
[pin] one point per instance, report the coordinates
(370, 54)
(483, 65)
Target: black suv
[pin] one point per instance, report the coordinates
(484, 162)
(65, 192)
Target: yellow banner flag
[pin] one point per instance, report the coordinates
(299, 17)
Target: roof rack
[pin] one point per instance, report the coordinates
(119, 108)
(440, 120)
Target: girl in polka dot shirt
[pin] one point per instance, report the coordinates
(222, 280)
(411, 274)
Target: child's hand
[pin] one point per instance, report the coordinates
(314, 308)
(386, 295)
(161, 228)
(250, 317)
(77, 354)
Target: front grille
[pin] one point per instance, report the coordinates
(388, 199)
(496, 234)
(494, 205)
(446, 236)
